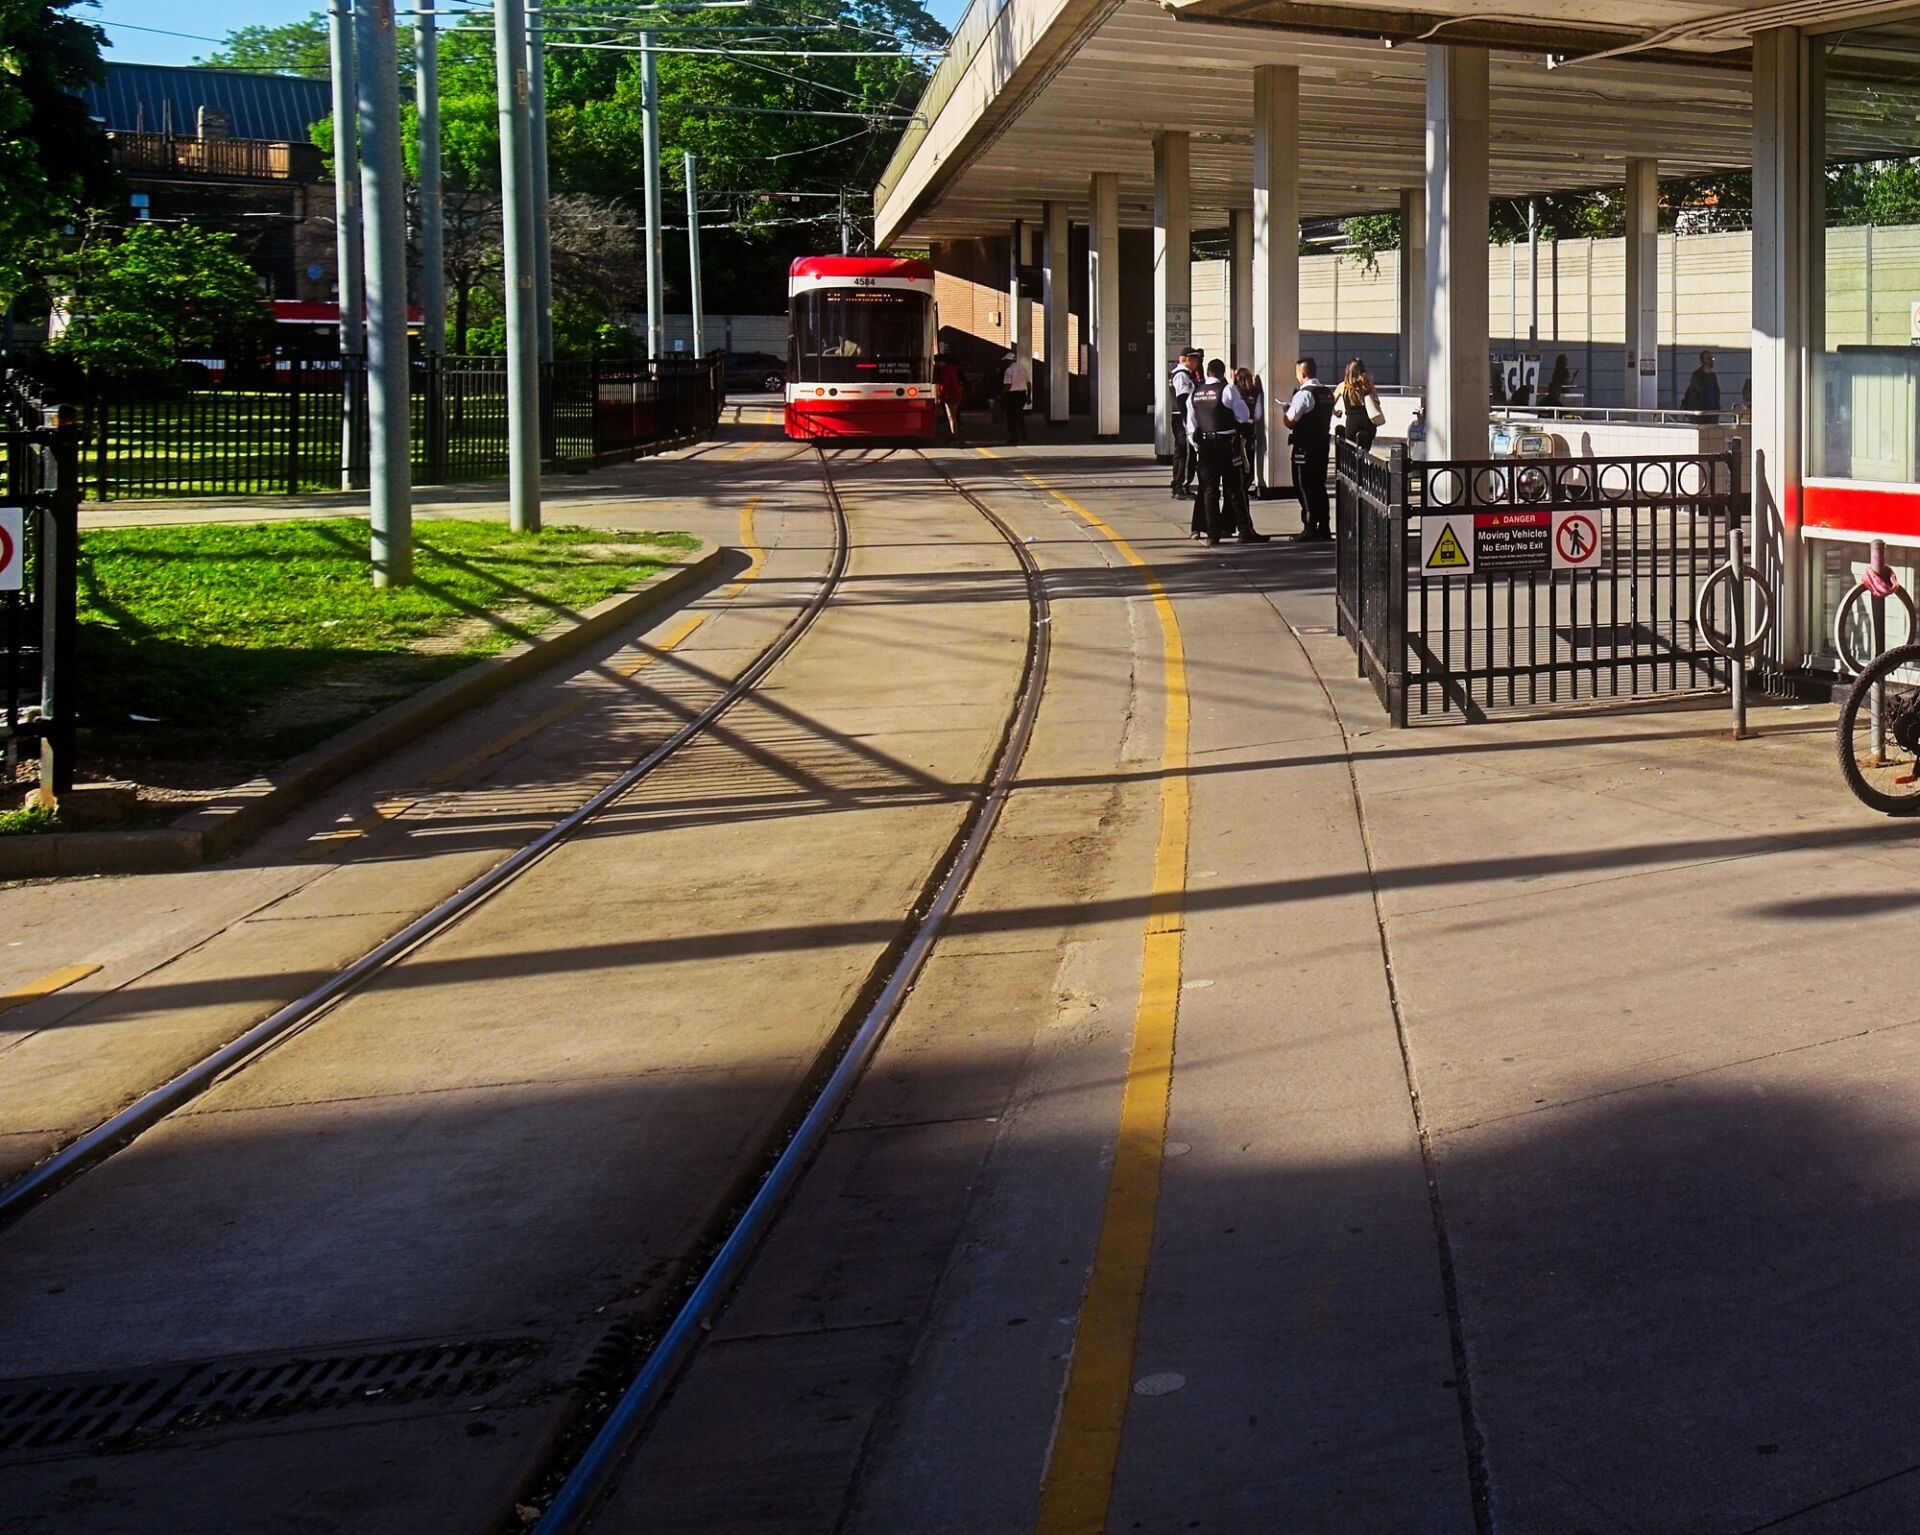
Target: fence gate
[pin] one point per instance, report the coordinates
(39, 535)
(1474, 587)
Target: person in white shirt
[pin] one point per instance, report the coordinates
(1310, 419)
(1215, 413)
(1014, 386)
(1186, 374)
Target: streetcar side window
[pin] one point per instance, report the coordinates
(854, 335)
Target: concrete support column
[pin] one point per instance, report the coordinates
(1055, 310)
(1103, 292)
(1457, 153)
(1240, 287)
(1413, 286)
(1787, 156)
(1019, 315)
(1172, 272)
(1643, 284)
(1276, 246)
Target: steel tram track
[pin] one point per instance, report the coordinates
(578, 1488)
(115, 1134)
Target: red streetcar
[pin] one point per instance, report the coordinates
(860, 348)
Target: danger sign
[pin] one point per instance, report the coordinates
(1576, 542)
(12, 550)
(1514, 542)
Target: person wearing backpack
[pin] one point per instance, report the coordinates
(1309, 417)
(1703, 388)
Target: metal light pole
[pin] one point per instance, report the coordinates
(650, 110)
(537, 140)
(843, 221)
(346, 221)
(383, 194)
(693, 256)
(1533, 269)
(433, 262)
(516, 218)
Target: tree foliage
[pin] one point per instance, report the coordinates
(53, 159)
(138, 299)
(761, 159)
(295, 48)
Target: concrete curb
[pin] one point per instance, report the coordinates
(243, 813)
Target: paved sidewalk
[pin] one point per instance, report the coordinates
(1664, 1077)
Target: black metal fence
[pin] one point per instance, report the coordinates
(1469, 588)
(39, 534)
(301, 425)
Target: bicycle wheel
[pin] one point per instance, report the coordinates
(1889, 780)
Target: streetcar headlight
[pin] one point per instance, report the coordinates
(833, 391)
(912, 391)
(820, 391)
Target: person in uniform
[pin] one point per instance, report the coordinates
(1309, 417)
(1014, 384)
(1186, 374)
(1215, 414)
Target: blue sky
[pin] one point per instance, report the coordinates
(216, 18)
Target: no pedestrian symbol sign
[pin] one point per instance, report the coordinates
(1512, 542)
(13, 556)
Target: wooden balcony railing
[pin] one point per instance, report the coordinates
(167, 154)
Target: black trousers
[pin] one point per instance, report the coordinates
(1182, 449)
(1310, 480)
(1221, 507)
(1013, 405)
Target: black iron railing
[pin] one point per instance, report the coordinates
(300, 425)
(1469, 588)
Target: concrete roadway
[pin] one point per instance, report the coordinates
(1533, 1153)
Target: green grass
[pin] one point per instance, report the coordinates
(18, 822)
(220, 648)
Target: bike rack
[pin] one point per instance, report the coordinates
(1735, 645)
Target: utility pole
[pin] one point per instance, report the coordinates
(844, 241)
(516, 218)
(433, 262)
(693, 256)
(346, 222)
(384, 197)
(537, 140)
(1533, 269)
(656, 250)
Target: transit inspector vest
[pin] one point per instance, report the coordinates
(1314, 430)
(1212, 414)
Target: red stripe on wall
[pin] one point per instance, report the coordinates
(1877, 510)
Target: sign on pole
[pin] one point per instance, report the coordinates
(13, 553)
(1508, 542)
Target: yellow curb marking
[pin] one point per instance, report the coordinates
(540, 722)
(1078, 1487)
(46, 986)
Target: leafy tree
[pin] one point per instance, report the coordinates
(741, 112)
(53, 160)
(139, 299)
(297, 48)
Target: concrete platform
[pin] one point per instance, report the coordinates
(1534, 1158)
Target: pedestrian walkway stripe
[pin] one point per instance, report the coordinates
(45, 986)
(1078, 1488)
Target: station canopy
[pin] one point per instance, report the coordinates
(1035, 95)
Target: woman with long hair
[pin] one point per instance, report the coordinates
(1253, 435)
(1359, 402)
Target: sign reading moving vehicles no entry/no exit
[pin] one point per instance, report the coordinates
(1506, 542)
(13, 550)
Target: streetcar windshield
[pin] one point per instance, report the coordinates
(862, 335)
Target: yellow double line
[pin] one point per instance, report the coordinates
(1078, 1488)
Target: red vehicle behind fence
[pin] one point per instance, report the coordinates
(860, 348)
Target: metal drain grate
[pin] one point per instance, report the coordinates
(80, 1412)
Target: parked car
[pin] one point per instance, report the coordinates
(750, 372)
